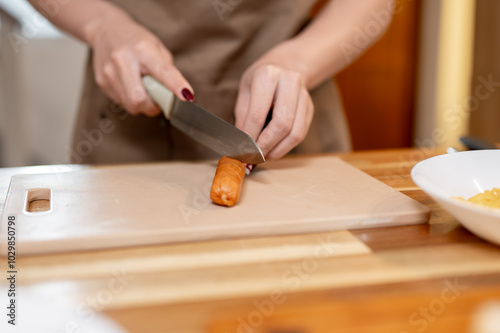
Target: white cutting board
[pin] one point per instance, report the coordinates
(169, 202)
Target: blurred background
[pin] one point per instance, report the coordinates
(433, 77)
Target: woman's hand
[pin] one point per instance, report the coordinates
(124, 51)
(282, 77)
(280, 84)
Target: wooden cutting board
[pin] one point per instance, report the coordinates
(169, 202)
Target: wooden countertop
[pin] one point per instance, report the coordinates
(430, 277)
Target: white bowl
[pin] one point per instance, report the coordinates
(463, 174)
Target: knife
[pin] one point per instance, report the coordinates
(203, 126)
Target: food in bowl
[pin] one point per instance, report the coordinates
(489, 198)
(463, 174)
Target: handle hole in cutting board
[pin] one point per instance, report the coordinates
(38, 200)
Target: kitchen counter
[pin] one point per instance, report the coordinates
(430, 277)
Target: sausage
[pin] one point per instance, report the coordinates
(227, 182)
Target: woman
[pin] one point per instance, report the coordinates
(237, 58)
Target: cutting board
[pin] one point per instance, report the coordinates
(169, 202)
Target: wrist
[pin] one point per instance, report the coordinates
(114, 17)
(289, 55)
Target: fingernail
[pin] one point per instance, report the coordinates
(188, 95)
(249, 168)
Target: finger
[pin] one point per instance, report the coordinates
(302, 122)
(242, 104)
(262, 93)
(135, 98)
(104, 84)
(111, 95)
(163, 69)
(284, 112)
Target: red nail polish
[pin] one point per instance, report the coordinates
(249, 168)
(188, 95)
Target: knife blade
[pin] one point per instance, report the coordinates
(203, 126)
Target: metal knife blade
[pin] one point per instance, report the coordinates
(215, 133)
(203, 126)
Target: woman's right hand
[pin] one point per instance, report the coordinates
(124, 51)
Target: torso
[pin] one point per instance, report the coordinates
(213, 42)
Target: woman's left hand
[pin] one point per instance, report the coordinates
(273, 82)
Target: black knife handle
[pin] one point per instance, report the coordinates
(268, 118)
(474, 143)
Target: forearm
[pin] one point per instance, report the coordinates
(337, 36)
(82, 19)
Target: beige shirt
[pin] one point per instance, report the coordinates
(213, 43)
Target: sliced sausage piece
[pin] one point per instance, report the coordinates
(227, 182)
